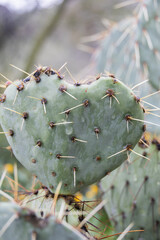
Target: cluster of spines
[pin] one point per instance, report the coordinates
(124, 216)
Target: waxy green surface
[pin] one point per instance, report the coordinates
(131, 49)
(89, 159)
(133, 192)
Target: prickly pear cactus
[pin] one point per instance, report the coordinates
(126, 51)
(20, 223)
(62, 132)
(133, 44)
(133, 192)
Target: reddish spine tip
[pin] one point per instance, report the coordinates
(11, 133)
(73, 139)
(98, 158)
(25, 115)
(128, 147)
(110, 92)
(3, 98)
(33, 161)
(58, 156)
(97, 130)
(86, 103)
(52, 124)
(53, 174)
(62, 88)
(39, 143)
(44, 101)
(128, 117)
(20, 87)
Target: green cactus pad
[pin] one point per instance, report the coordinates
(28, 226)
(7, 161)
(147, 38)
(117, 53)
(125, 52)
(68, 139)
(133, 44)
(133, 193)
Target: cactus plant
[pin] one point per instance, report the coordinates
(22, 223)
(133, 44)
(133, 192)
(126, 51)
(117, 53)
(62, 132)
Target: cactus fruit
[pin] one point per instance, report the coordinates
(133, 44)
(21, 223)
(133, 192)
(62, 132)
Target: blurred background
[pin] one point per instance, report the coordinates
(51, 32)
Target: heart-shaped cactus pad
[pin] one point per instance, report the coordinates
(67, 133)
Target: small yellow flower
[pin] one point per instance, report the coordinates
(78, 197)
(9, 167)
(93, 191)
